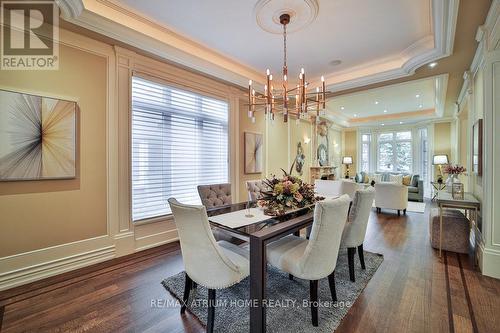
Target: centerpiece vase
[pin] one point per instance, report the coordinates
(453, 178)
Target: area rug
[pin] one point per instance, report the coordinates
(288, 309)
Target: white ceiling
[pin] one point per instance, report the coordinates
(357, 33)
(395, 99)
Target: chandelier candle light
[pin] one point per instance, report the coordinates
(278, 101)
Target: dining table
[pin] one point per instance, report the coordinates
(247, 222)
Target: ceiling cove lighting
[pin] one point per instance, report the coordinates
(278, 100)
(417, 95)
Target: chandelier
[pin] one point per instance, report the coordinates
(289, 99)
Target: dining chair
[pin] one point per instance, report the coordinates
(216, 195)
(355, 228)
(214, 265)
(255, 188)
(316, 258)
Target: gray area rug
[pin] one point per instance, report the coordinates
(288, 309)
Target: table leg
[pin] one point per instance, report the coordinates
(440, 228)
(257, 285)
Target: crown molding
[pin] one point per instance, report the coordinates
(70, 8)
(116, 21)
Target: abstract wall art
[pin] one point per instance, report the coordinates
(253, 153)
(37, 137)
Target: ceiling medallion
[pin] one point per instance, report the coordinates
(268, 12)
(278, 100)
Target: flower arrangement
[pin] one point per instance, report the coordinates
(287, 193)
(454, 169)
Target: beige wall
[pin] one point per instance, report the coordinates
(442, 142)
(39, 214)
(298, 133)
(246, 125)
(350, 149)
(277, 147)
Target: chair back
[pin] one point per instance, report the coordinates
(350, 188)
(215, 195)
(204, 261)
(391, 195)
(255, 188)
(320, 255)
(328, 188)
(355, 229)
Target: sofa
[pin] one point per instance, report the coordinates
(415, 187)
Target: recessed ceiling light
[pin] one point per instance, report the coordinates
(342, 108)
(335, 62)
(376, 102)
(417, 95)
(355, 115)
(382, 124)
(420, 106)
(400, 123)
(433, 64)
(385, 111)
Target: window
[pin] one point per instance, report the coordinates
(365, 152)
(395, 151)
(179, 141)
(424, 155)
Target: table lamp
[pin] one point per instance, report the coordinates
(440, 160)
(347, 160)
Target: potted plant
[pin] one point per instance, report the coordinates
(453, 172)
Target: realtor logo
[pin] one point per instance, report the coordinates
(29, 35)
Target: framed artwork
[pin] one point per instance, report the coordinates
(37, 137)
(253, 152)
(477, 147)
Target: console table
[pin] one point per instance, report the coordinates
(438, 187)
(469, 204)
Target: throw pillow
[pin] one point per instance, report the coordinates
(396, 179)
(414, 180)
(377, 178)
(366, 179)
(407, 180)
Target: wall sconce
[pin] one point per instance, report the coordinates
(306, 140)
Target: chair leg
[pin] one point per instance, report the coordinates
(404, 211)
(211, 310)
(290, 277)
(313, 292)
(399, 212)
(350, 258)
(331, 283)
(194, 286)
(361, 256)
(187, 288)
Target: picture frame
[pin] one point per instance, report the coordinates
(477, 147)
(253, 153)
(37, 137)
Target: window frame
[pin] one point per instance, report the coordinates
(183, 88)
(394, 141)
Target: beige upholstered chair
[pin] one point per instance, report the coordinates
(212, 264)
(316, 258)
(335, 188)
(391, 196)
(255, 188)
(355, 228)
(215, 195)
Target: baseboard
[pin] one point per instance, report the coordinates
(489, 261)
(31, 266)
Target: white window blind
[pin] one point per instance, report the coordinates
(179, 141)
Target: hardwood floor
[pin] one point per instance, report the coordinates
(413, 291)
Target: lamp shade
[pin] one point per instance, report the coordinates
(440, 159)
(347, 160)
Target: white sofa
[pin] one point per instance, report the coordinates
(391, 196)
(335, 188)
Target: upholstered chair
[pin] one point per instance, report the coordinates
(255, 188)
(355, 228)
(391, 196)
(335, 188)
(316, 258)
(215, 195)
(214, 265)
